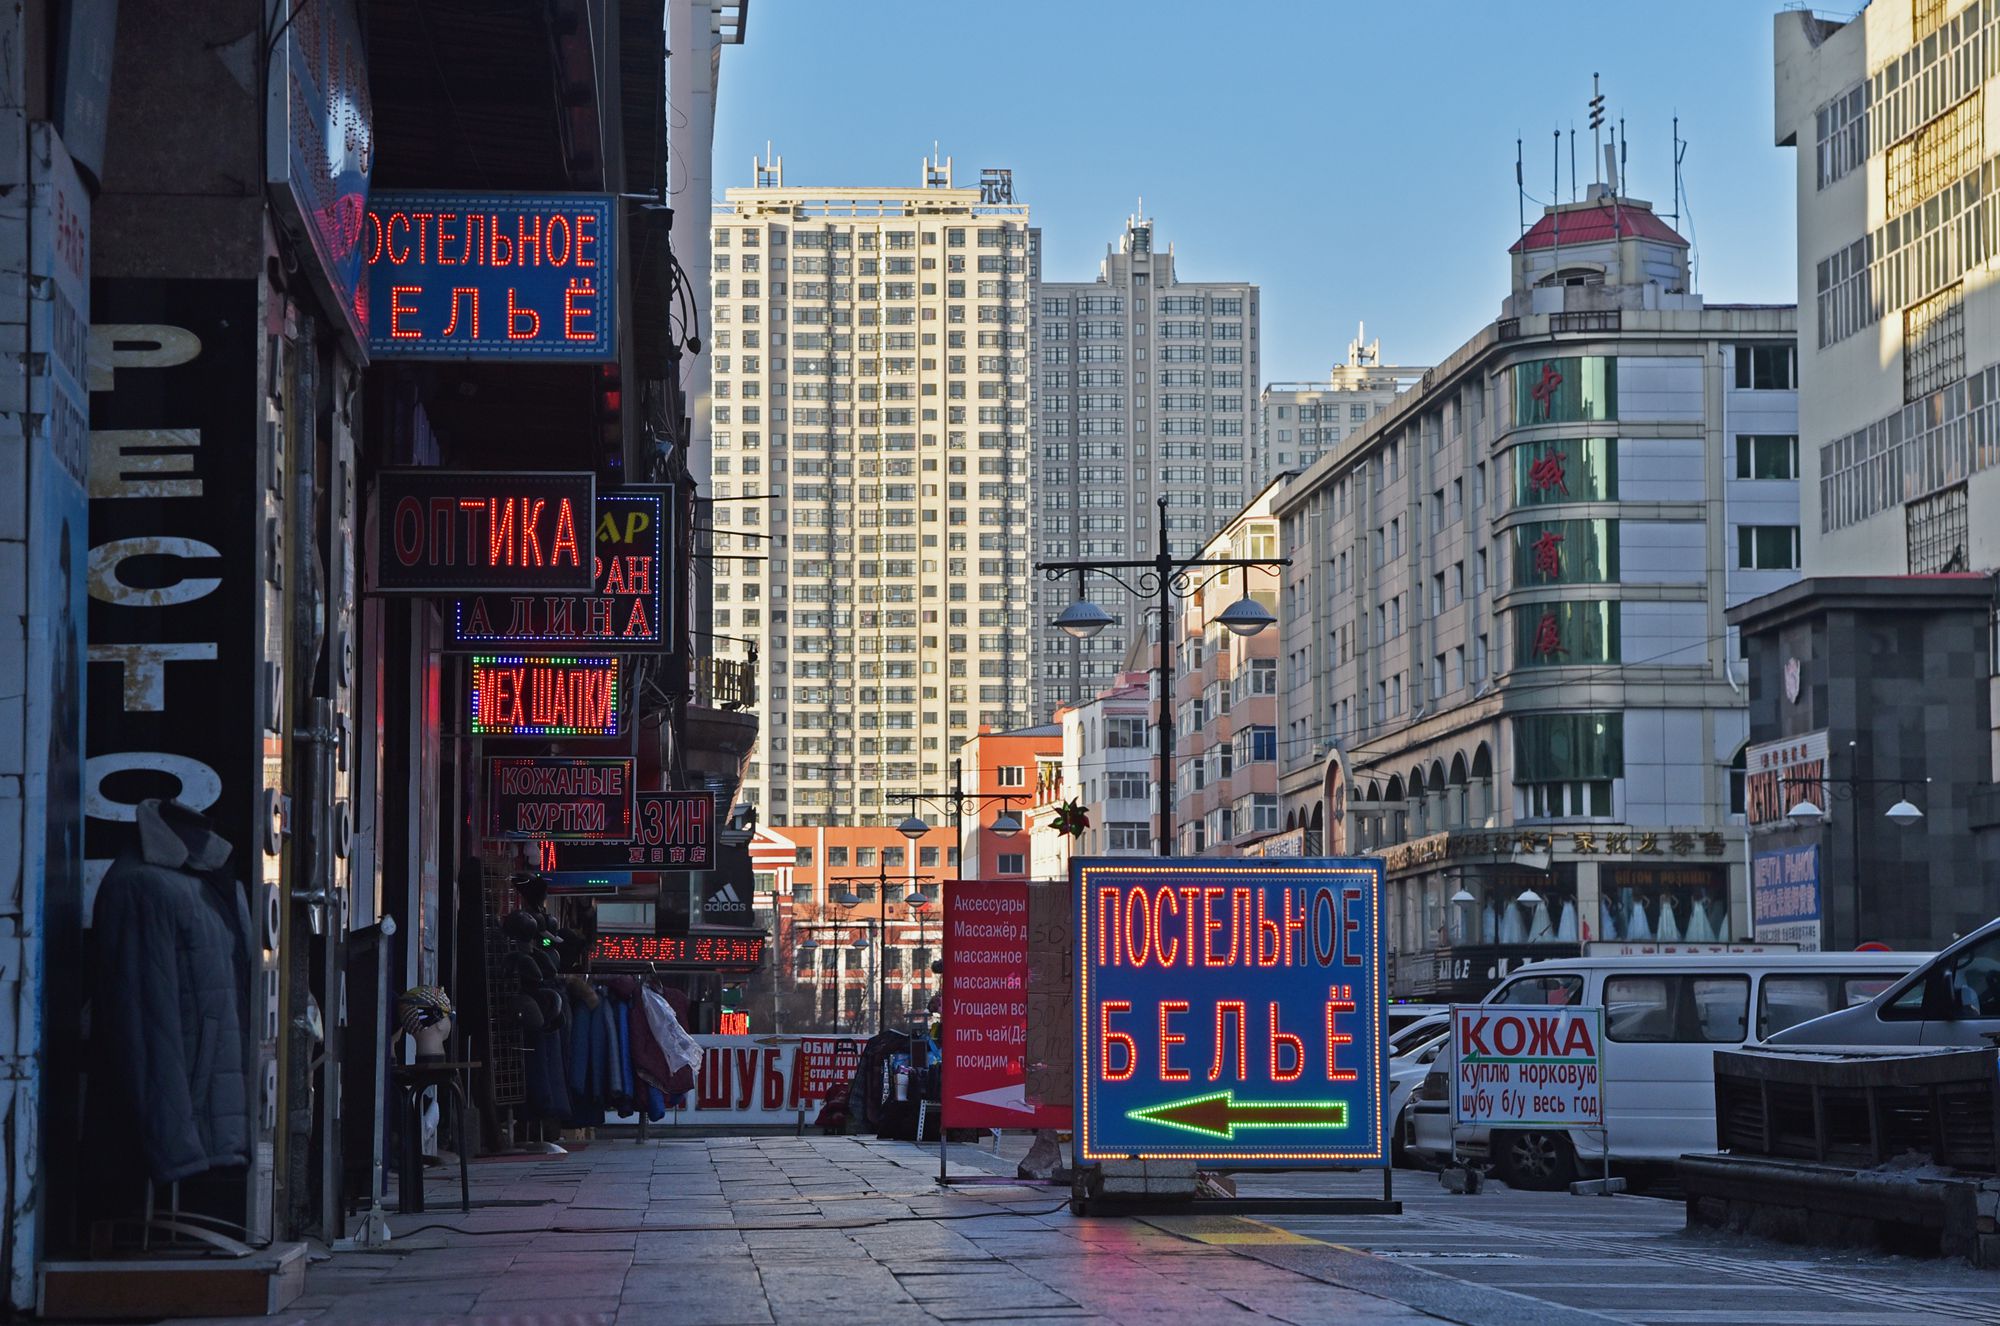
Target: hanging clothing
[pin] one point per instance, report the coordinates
(172, 1010)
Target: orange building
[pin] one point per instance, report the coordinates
(1022, 766)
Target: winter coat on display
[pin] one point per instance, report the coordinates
(171, 1012)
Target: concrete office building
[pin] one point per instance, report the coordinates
(1505, 664)
(1301, 421)
(1148, 389)
(870, 432)
(1872, 681)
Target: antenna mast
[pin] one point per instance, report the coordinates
(1520, 190)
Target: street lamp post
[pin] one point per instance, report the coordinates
(1163, 579)
(849, 898)
(1806, 813)
(1005, 825)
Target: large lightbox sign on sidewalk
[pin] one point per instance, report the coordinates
(1230, 1011)
(625, 610)
(463, 531)
(492, 276)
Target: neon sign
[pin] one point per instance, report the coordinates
(517, 695)
(681, 950)
(670, 831)
(491, 276)
(444, 531)
(544, 796)
(625, 608)
(1230, 1010)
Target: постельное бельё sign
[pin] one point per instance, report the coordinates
(1230, 1010)
(484, 276)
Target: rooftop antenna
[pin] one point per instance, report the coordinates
(1680, 150)
(1555, 206)
(1596, 120)
(1520, 190)
(1572, 163)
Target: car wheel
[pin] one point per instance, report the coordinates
(1541, 1162)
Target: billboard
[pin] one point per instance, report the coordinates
(985, 1038)
(491, 276)
(625, 609)
(670, 831)
(1524, 1067)
(1785, 902)
(559, 797)
(1230, 1010)
(1780, 774)
(543, 695)
(460, 531)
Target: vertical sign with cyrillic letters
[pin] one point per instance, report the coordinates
(985, 1042)
(1230, 1010)
(492, 276)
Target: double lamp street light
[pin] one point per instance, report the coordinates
(1163, 578)
(1808, 813)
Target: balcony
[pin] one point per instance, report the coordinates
(725, 683)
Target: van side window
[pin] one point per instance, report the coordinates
(1786, 1001)
(1695, 1009)
(1973, 981)
(1541, 991)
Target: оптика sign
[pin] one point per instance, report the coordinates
(1230, 1010)
(462, 531)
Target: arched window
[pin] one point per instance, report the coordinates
(1739, 773)
(1481, 788)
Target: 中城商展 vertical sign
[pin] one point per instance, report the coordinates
(492, 276)
(1230, 1010)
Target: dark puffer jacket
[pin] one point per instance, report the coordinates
(172, 1008)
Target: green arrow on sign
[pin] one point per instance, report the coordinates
(1220, 1114)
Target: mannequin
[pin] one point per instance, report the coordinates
(425, 1015)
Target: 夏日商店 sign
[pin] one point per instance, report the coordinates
(492, 276)
(462, 531)
(1230, 1010)
(519, 695)
(547, 796)
(625, 609)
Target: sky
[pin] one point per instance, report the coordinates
(1355, 160)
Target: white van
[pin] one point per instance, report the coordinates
(1664, 1019)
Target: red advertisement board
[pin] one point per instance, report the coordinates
(827, 1064)
(985, 1037)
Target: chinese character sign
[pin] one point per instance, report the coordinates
(1230, 1010)
(1784, 896)
(485, 276)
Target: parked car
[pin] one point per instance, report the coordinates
(1953, 999)
(1402, 1015)
(1665, 1017)
(1413, 1034)
(1407, 1071)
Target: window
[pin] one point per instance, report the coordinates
(1689, 1009)
(1565, 552)
(1766, 368)
(836, 856)
(1566, 633)
(1941, 153)
(1934, 343)
(1565, 763)
(1126, 734)
(1126, 786)
(1541, 992)
(1127, 836)
(1936, 530)
(1786, 1001)
(1013, 775)
(1568, 390)
(864, 856)
(1013, 863)
(1767, 547)
(927, 857)
(1581, 469)
(1767, 455)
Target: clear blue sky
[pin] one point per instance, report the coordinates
(1383, 134)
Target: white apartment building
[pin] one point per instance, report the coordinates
(1147, 389)
(1108, 764)
(870, 426)
(1505, 664)
(1302, 421)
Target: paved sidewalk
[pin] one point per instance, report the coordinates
(722, 1231)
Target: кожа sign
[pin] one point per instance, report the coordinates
(463, 531)
(1230, 1010)
(1517, 1066)
(550, 796)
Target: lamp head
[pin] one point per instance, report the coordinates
(1904, 813)
(913, 828)
(1805, 813)
(1005, 825)
(1082, 619)
(1528, 898)
(1246, 617)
